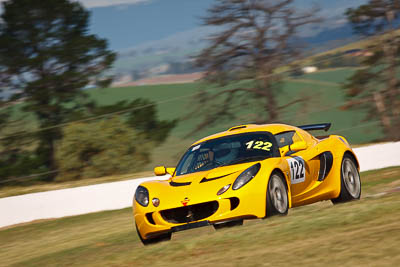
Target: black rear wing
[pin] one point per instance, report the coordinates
(314, 127)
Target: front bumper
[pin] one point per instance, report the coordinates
(246, 202)
(151, 224)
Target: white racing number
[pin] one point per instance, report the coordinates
(297, 170)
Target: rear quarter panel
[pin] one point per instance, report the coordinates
(330, 187)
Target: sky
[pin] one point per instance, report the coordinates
(128, 23)
(131, 25)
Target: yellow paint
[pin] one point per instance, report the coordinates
(252, 196)
(160, 171)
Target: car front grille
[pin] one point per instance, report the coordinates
(190, 213)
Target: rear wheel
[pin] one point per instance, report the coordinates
(277, 196)
(154, 240)
(350, 183)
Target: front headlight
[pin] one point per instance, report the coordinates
(142, 196)
(246, 176)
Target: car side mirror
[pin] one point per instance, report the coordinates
(162, 170)
(297, 146)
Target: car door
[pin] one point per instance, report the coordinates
(303, 167)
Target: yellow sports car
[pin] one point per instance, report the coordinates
(247, 172)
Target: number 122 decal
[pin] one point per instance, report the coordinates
(297, 170)
(259, 145)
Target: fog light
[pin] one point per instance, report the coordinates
(156, 202)
(223, 189)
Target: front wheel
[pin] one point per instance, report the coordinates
(154, 240)
(277, 196)
(350, 183)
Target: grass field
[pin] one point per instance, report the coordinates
(360, 233)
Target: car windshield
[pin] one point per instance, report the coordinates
(228, 150)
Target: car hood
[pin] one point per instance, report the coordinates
(196, 187)
(227, 172)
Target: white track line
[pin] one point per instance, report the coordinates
(68, 202)
(378, 156)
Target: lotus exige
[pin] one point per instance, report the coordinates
(249, 171)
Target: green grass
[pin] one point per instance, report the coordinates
(360, 233)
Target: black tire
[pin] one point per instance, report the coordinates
(350, 183)
(154, 240)
(277, 196)
(227, 224)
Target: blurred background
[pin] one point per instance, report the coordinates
(93, 91)
(98, 88)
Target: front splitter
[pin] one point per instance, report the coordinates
(190, 226)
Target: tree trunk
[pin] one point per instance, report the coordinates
(390, 51)
(270, 104)
(384, 118)
(46, 151)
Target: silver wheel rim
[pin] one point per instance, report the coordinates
(278, 194)
(351, 178)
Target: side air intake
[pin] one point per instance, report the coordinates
(326, 161)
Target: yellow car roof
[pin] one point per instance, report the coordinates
(272, 128)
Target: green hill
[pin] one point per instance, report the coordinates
(322, 89)
(174, 101)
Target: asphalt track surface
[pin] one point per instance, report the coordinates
(118, 195)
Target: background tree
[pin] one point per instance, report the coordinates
(100, 148)
(142, 116)
(256, 37)
(376, 86)
(47, 53)
(16, 156)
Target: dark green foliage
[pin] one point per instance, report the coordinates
(374, 16)
(4, 115)
(47, 53)
(14, 166)
(295, 71)
(376, 87)
(106, 145)
(101, 148)
(17, 161)
(121, 141)
(142, 116)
